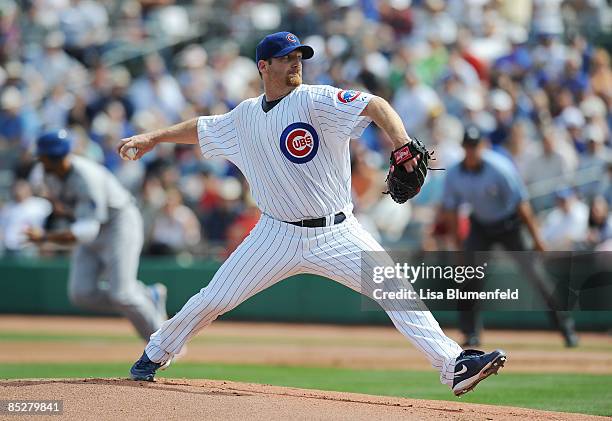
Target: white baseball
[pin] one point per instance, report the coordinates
(131, 153)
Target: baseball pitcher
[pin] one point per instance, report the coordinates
(292, 145)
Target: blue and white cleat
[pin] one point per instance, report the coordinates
(472, 367)
(144, 369)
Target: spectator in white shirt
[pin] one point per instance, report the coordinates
(550, 163)
(24, 211)
(567, 224)
(175, 228)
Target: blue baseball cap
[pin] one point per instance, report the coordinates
(564, 193)
(54, 144)
(280, 44)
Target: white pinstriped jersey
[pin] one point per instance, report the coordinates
(295, 156)
(296, 159)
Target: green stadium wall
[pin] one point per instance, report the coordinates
(40, 287)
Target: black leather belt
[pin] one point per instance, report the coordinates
(319, 222)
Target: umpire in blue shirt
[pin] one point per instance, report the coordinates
(490, 184)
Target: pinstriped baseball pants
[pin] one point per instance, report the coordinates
(275, 250)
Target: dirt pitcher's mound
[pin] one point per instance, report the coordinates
(98, 399)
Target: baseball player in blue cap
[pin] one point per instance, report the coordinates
(292, 145)
(106, 227)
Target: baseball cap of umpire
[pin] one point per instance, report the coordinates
(54, 144)
(280, 44)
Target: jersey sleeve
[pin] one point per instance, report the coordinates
(515, 187)
(91, 201)
(218, 136)
(511, 182)
(338, 111)
(451, 198)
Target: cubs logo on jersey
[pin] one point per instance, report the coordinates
(292, 38)
(299, 142)
(348, 96)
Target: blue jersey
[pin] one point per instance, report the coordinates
(494, 191)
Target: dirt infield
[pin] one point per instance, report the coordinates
(95, 399)
(289, 344)
(70, 339)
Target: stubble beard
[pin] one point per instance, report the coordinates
(294, 80)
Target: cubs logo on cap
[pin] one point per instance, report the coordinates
(292, 38)
(348, 96)
(299, 142)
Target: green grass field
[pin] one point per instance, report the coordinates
(578, 393)
(589, 394)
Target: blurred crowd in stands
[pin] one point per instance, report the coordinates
(534, 75)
